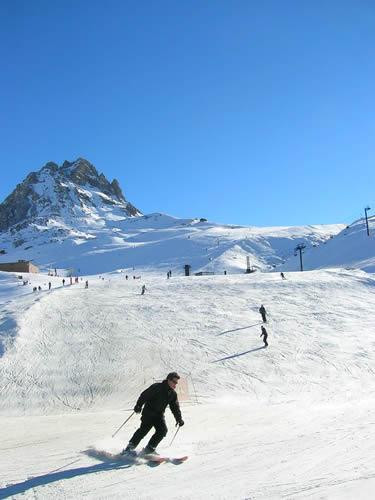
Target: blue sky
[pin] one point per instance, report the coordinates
(258, 113)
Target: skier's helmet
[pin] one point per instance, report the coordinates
(173, 375)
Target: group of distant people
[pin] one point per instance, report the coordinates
(39, 288)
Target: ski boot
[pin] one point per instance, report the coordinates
(129, 451)
(149, 452)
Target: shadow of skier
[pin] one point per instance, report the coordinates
(242, 328)
(34, 482)
(238, 354)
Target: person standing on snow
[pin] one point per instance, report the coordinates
(143, 289)
(155, 400)
(282, 276)
(264, 334)
(262, 311)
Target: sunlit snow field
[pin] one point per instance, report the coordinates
(294, 420)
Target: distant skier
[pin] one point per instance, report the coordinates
(264, 334)
(39, 288)
(86, 284)
(49, 285)
(143, 289)
(282, 276)
(155, 400)
(262, 311)
(63, 282)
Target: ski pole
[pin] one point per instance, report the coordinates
(122, 425)
(175, 434)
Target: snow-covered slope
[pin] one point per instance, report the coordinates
(351, 248)
(292, 421)
(156, 243)
(205, 324)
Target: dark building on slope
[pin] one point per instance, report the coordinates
(21, 266)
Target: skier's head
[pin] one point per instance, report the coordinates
(172, 379)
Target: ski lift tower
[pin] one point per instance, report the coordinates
(366, 210)
(300, 248)
(248, 268)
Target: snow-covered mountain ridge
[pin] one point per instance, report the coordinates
(72, 217)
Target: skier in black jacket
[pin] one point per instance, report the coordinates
(262, 311)
(264, 334)
(155, 400)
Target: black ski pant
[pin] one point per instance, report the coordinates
(147, 422)
(264, 318)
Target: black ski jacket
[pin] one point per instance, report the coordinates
(156, 398)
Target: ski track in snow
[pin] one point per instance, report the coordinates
(291, 421)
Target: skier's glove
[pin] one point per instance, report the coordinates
(137, 409)
(180, 422)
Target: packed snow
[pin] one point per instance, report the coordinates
(293, 420)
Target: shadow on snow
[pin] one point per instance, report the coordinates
(108, 463)
(242, 328)
(238, 354)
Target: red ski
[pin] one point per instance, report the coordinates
(178, 460)
(159, 459)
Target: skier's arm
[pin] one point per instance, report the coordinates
(145, 396)
(174, 405)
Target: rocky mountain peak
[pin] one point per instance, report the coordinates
(74, 189)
